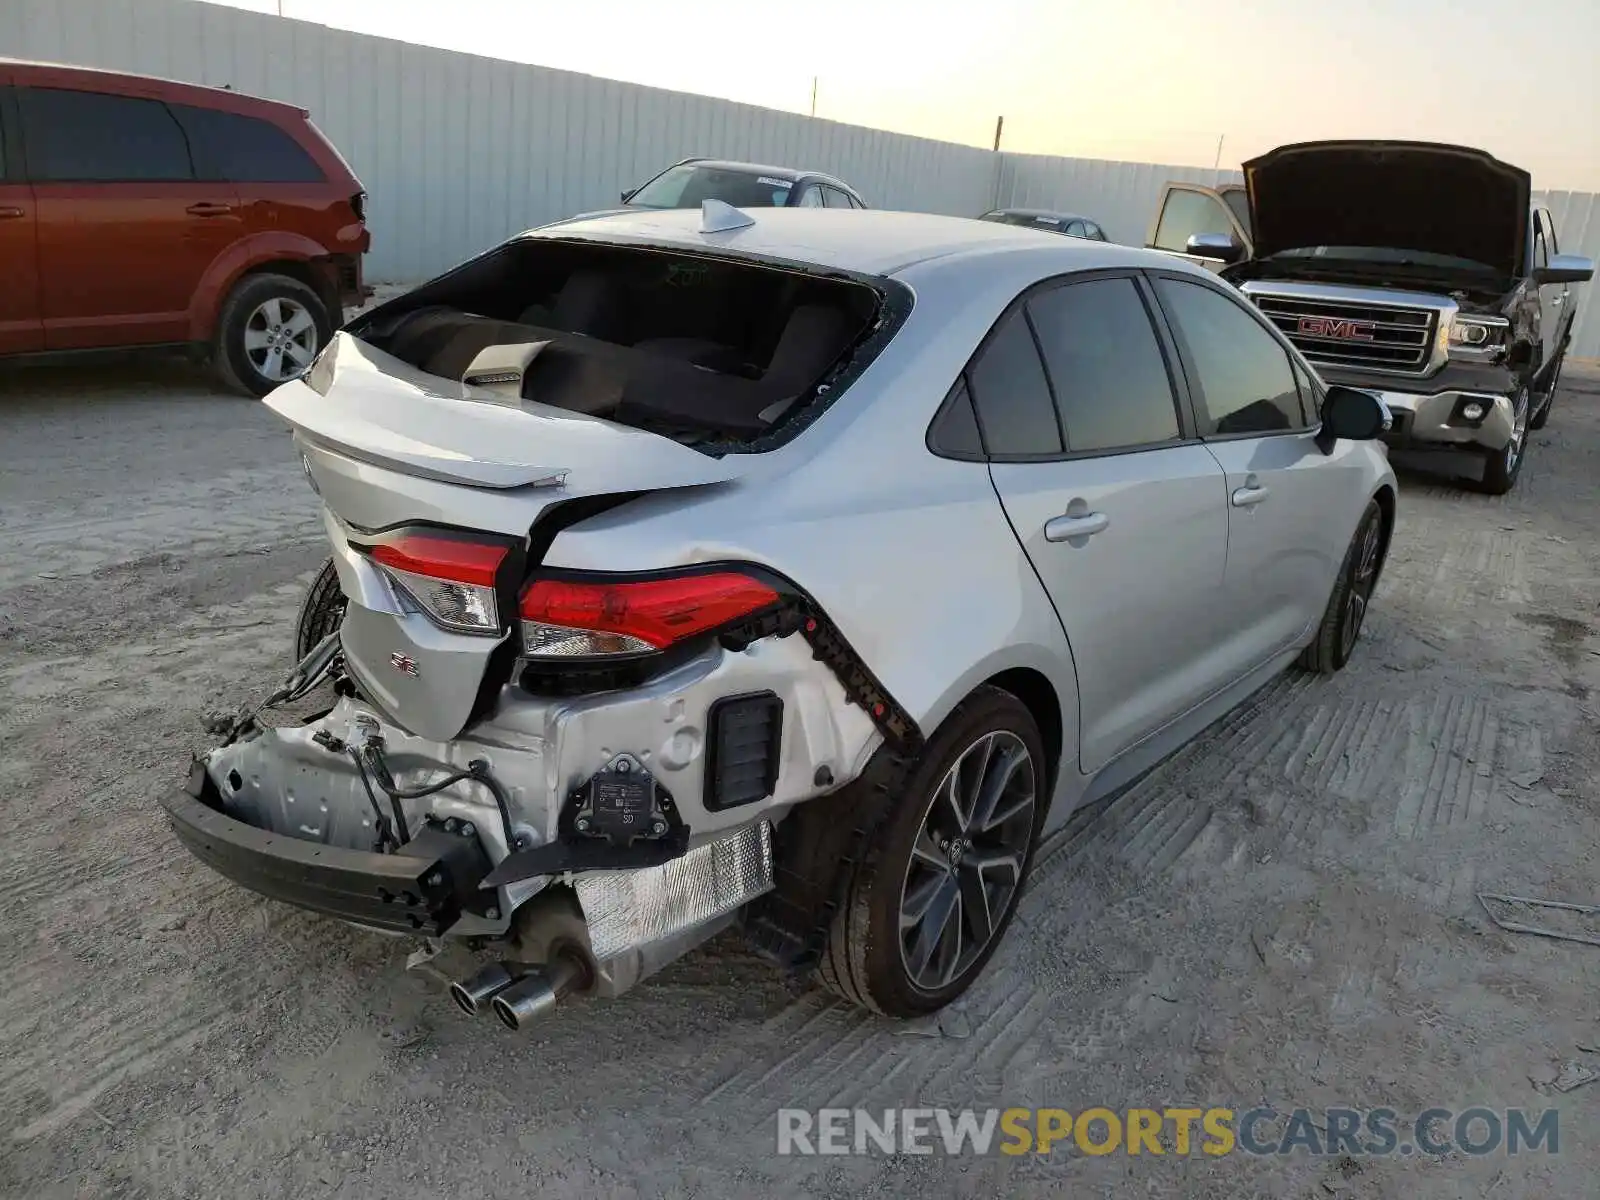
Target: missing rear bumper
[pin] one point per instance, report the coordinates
(423, 888)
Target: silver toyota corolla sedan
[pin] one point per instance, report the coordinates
(796, 569)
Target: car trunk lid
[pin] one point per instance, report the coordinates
(395, 452)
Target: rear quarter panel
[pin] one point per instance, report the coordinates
(909, 554)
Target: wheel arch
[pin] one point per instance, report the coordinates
(280, 253)
(1038, 695)
(1387, 506)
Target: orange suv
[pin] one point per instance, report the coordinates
(138, 212)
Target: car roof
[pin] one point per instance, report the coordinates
(748, 168)
(153, 85)
(865, 241)
(1042, 212)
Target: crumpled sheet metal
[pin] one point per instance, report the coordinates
(628, 909)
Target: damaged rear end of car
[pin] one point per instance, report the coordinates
(582, 769)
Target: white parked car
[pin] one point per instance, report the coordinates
(800, 568)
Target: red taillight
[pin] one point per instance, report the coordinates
(451, 580)
(572, 618)
(442, 558)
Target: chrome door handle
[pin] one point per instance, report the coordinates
(1064, 528)
(10, 213)
(204, 209)
(1250, 494)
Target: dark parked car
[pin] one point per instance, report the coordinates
(141, 212)
(1071, 224)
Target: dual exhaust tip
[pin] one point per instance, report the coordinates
(519, 996)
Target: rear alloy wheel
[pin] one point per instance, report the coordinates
(321, 613)
(1547, 398)
(924, 911)
(268, 332)
(1352, 594)
(1500, 469)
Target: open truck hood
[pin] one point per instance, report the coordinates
(1419, 196)
(371, 406)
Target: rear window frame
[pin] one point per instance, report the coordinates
(11, 164)
(894, 304)
(1182, 395)
(207, 171)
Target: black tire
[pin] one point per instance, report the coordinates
(321, 612)
(1341, 623)
(246, 315)
(1547, 398)
(1502, 467)
(865, 961)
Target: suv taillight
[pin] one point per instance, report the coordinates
(452, 580)
(591, 618)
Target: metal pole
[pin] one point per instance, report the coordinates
(1217, 165)
(999, 124)
(813, 89)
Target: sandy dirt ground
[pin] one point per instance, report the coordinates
(1285, 913)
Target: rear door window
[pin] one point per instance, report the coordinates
(1187, 213)
(832, 197)
(1105, 364)
(96, 137)
(1245, 380)
(1008, 387)
(240, 149)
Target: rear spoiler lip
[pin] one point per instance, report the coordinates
(377, 409)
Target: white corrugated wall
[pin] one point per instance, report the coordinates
(458, 151)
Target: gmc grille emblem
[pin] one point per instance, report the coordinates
(1333, 327)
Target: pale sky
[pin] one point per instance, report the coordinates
(1149, 80)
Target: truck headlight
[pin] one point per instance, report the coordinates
(1477, 335)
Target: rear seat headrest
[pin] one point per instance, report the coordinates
(813, 337)
(588, 302)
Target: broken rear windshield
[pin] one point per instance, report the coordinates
(688, 186)
(705, 350)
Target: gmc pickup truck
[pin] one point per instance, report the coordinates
(1421, 272)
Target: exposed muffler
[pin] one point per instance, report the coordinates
(538, 992)
(473, 995)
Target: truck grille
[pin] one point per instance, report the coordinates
(1344, 334)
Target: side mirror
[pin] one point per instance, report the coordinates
(628, 195)
(1352, 415)
(1565, 268)
(1220, 247)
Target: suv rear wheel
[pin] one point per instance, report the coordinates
(269, 330)
(321, 612)
(929, 903)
